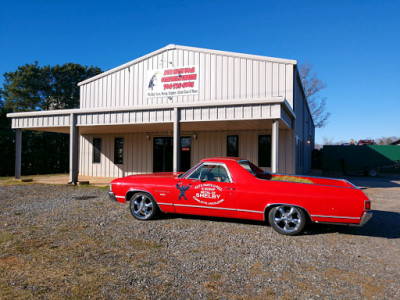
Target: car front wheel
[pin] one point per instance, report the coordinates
(287, 219)
(143, 207)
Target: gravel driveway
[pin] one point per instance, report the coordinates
(73, 242)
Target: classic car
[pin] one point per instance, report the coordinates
(235, 188)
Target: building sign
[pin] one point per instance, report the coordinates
(181, 81)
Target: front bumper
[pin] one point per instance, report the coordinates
(112, 196)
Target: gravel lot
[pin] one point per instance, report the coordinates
(73, 242)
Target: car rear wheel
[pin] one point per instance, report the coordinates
(287, 219)
(143, 207)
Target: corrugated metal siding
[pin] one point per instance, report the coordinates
(126, 117)
(221, 77)
(238, 112)
(138, 155)
(304, 130)
(41, 121)
(138, 151)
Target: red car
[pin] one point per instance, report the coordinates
(235, 188)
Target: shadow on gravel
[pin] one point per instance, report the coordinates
(384, 224)
(85, 197)
(212, 219)
(377, 182)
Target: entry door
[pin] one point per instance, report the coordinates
(162, 154)
(185, 154)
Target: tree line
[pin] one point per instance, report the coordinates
(35, 88)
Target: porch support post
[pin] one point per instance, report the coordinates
(73, 150)
(275, 142)
(18, 151)
(176, 140)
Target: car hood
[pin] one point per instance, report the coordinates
(160, 175)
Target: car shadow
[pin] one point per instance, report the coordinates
(374, 182)
(209, 218)
(384, 224)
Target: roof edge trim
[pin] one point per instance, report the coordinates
(128, 64)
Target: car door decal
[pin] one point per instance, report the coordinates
(209, 193)
(182, 188)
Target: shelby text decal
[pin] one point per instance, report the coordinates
(173, 82)
(208, 194)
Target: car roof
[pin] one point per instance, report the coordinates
(222, 159)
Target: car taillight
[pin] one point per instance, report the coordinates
(367, 205)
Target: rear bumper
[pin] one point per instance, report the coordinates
(112, 196)
(365, 218)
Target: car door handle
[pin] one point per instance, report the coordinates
(229, 188)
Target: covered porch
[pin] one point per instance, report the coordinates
(177, 120)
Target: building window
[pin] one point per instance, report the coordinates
(264, 151)
(118, 151)
(96, 150)
(232, 146)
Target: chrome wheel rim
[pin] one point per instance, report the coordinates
(142, 207)
(287, 218)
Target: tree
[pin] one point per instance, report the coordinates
(312, 86)
(34, 88)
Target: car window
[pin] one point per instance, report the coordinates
(211, 172)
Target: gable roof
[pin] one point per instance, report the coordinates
(202, 50)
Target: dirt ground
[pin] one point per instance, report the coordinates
(59, 241)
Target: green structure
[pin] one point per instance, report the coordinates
(359, 158)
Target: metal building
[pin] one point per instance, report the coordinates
(168, 109)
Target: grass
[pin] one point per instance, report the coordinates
(291, 179)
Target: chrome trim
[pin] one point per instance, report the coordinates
(112, 196)
(206, 164)
(335, 217)
(274, 204)
(160, 203)
(365, 218)
(210, 207)
(251, 211)
(219, 208)
(120, 197)
(134, 190)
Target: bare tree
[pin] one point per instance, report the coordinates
(312, 86)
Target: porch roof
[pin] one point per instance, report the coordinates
(244, 114)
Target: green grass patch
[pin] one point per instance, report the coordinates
(5, 236)
(291, 179)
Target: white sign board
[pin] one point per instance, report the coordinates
(180, 81)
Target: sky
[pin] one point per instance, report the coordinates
(354, 46)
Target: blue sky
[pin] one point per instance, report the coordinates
(353, 45)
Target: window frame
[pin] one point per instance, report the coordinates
(210, 164)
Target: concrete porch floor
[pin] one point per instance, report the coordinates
(64, 178)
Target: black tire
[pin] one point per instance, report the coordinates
(143, 206)
(287, 219)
